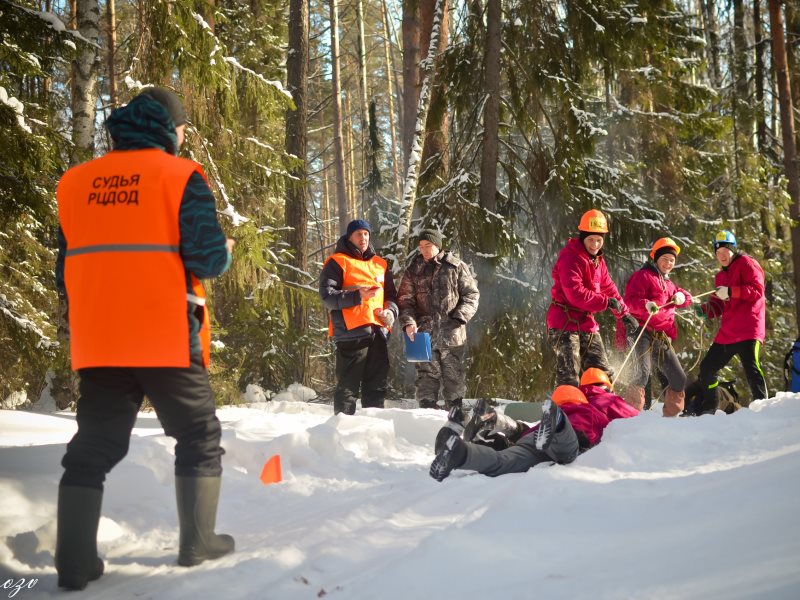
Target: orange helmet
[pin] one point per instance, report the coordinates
(664, 243)
(593, 221)
(568, 394)
(595, 376)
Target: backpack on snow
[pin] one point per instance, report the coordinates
(791, 368)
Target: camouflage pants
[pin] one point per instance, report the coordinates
(444, 373)
(575, 352)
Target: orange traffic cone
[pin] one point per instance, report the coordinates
(271, 473)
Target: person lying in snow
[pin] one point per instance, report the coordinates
(572, 422)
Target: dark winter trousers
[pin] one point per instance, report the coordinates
(720, 355)
(110, 398)
(444, 373)
(657, 350)
(575, 352)
(361, 364)
(563, 449)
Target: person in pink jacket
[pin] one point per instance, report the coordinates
(581, 287)
(573, 420)
(739, 300)
(652, 298)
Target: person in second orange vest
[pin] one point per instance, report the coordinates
(358, 289)
(138, 229)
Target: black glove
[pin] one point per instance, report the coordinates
(631, 326)
(614, 304)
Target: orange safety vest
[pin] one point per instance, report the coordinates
(360, 273)
(125, 279)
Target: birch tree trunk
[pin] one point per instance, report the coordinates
(415, 155)
(111, 16)
(84, 98)
(787, 130)
(297, 145)
(338, 150)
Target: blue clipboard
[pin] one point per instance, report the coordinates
(420, 349)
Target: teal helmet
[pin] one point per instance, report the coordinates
(724, 238)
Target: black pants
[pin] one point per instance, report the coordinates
(720, 355)
(361, 365)
(110, 398)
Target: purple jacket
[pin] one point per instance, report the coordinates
(581, 286)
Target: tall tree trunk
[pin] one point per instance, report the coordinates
(111, 16)
(792, 38)
(787, 129)
(415, 155)
(410, 74)
(297, 145)
(436, 126)
(758, 34)
(350, 158)
(85, 96)
(209, 14)
(338, 150)
(744, 115)
(390, 96)
(712, 36)
(491, 123)
(363, 100)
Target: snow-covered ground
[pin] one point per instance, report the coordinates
(663, 508)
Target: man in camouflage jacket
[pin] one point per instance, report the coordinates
(438, 295)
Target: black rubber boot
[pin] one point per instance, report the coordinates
(77, 562)
(197, 512)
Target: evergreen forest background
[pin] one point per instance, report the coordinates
(498, 121)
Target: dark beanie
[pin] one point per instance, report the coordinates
(432, 236)
(356, 225)
(664, 250)
(169, 100)
(584, 234)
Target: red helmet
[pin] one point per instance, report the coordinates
(568, 394)
(595, 376)
(593, 221)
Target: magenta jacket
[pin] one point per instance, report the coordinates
(744, 314)
(592, 418)
(649, 284)
(581, 283)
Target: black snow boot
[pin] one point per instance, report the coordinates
(77, 562)
(452, 455)
(455, 423)
(197, 512)
(481, 413)
(552, 421)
